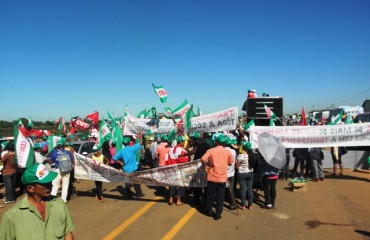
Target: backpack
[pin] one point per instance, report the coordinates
(65, 163)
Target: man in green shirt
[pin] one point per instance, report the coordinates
(38, 216)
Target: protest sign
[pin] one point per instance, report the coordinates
(316, 136)
(224, 120)
(190, 174)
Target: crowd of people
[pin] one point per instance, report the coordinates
(227, 157)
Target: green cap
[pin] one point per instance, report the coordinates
(195, 134)
(164, 137)
(246, 145)
(3, 144)
(126, 140)
(37, 173)
(221, 138)
(227, 141)
(37, 146)
(180, 139)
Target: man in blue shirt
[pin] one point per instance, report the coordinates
(126, 157)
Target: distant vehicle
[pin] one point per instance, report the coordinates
(81, 147)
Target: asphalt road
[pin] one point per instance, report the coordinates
(337, 208)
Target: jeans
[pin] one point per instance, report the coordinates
(269, 187)
(230, 194)
(177, 191)
(218, 189)
(137, 188)
(9, 182)
(246, 187)
(99, 189)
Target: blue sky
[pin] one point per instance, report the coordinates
(68, 58)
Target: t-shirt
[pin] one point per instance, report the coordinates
(219, 158)
(99, 159)
(244, 163)
(128, 155)
(162, 151)
(231, 168)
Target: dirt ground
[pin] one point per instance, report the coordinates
(336, 208)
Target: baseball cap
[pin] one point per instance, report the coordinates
(37, 146)
(164, 137)
(221, 138)
(151, 139)
(195, 134)
(246, 145)
(180, 139)
(126, 140)
(37, 173)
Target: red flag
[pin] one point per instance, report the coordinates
(303, 118)
(94, 117)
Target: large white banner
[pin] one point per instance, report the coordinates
(347, 135)
(133, 125)
(191, 174)
(224, 120)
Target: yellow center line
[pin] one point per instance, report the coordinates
(131, 220)
(179, 224)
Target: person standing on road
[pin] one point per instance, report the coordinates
(126, 157)
(38, 215)
(216, 161)
(336, 154)
(317, 156)
(99, 159)
(245, 169)
(9, 173)
(177, 154)
(64, 177)
(269, 175)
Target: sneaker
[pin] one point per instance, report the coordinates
(9, 202)
(217, 217)
(269, 206)
(139, 195)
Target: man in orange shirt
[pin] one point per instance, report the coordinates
(216, 160)
(161, 151)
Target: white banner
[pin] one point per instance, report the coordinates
(215, 122)
(346, 135)
(133, 125)
(191, 174)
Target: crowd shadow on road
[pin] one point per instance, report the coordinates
(347, 177)
(362, 232)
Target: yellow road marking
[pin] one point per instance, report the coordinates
(179, 224)
(132, 219)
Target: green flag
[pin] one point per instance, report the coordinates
(248, 125)
(335, 120)
(30, 123)
(24, 152)
(182, 109)
(161, 92)
(188, 116)
(144, 113)
(104, 133)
